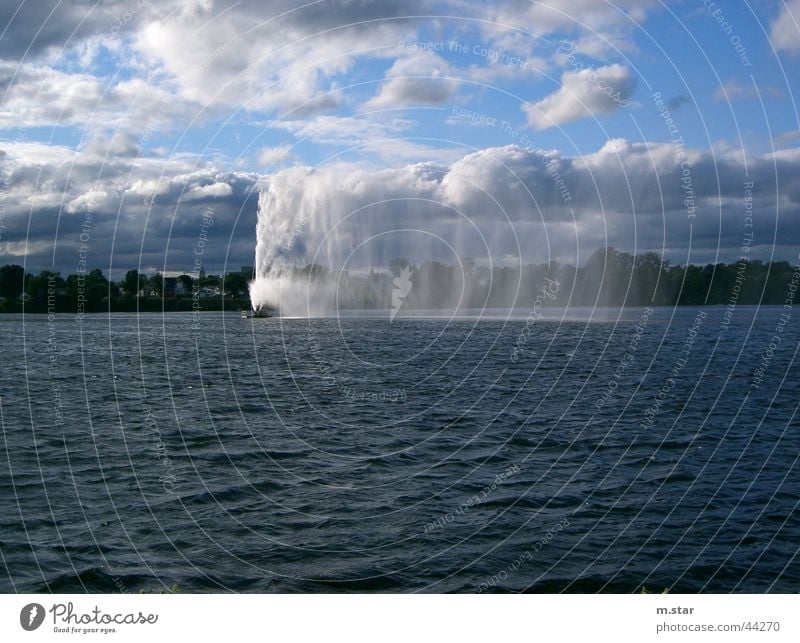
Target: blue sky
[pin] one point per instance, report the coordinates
(147, 114)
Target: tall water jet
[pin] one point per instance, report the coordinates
(318, 231)
(338, 236)
(293, 207)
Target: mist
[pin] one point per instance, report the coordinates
(337, 236)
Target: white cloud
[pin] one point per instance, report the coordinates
(287, 57)
(734, 90)
(422, 78)
(625, 194)
(785, 29)
(512, 200)
(372, 133)
(32, 29)
(270, 156)
(334, 130)
(90, 201)
(118, 144)
(211, 191)
(143, 208)
(37, 95)
(587, 92)
(602, 27)
(282, 55)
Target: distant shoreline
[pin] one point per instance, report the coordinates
(380, 313)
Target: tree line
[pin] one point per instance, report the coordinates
(49, 292)
(609, 278)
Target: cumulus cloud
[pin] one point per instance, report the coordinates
(602, 28)
(419, 79)
(292, 60)
(583, 93)
(215, 190)
(38, 95)
(191, 61)
(146, 211)
(34, 28)
(118, 144)
(282, 55)
(89, 201)
(533, 204)
(288, 56)
(785, 29)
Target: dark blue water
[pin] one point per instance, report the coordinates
(221, 454)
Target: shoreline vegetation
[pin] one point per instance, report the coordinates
(609, 278)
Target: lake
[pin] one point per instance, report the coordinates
(585, 451)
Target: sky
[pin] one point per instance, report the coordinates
(142, 134)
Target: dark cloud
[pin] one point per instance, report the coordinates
(495, 203)
(676, 102)
(132, 211)
(32, 27)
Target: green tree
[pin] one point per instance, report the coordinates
(236, 284)
(130, 283)
(97, 291)
(187, 282)
(38, 288)
(156, 284)
(12, 281)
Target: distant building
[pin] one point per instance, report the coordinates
(180, 289)
(207, 292)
